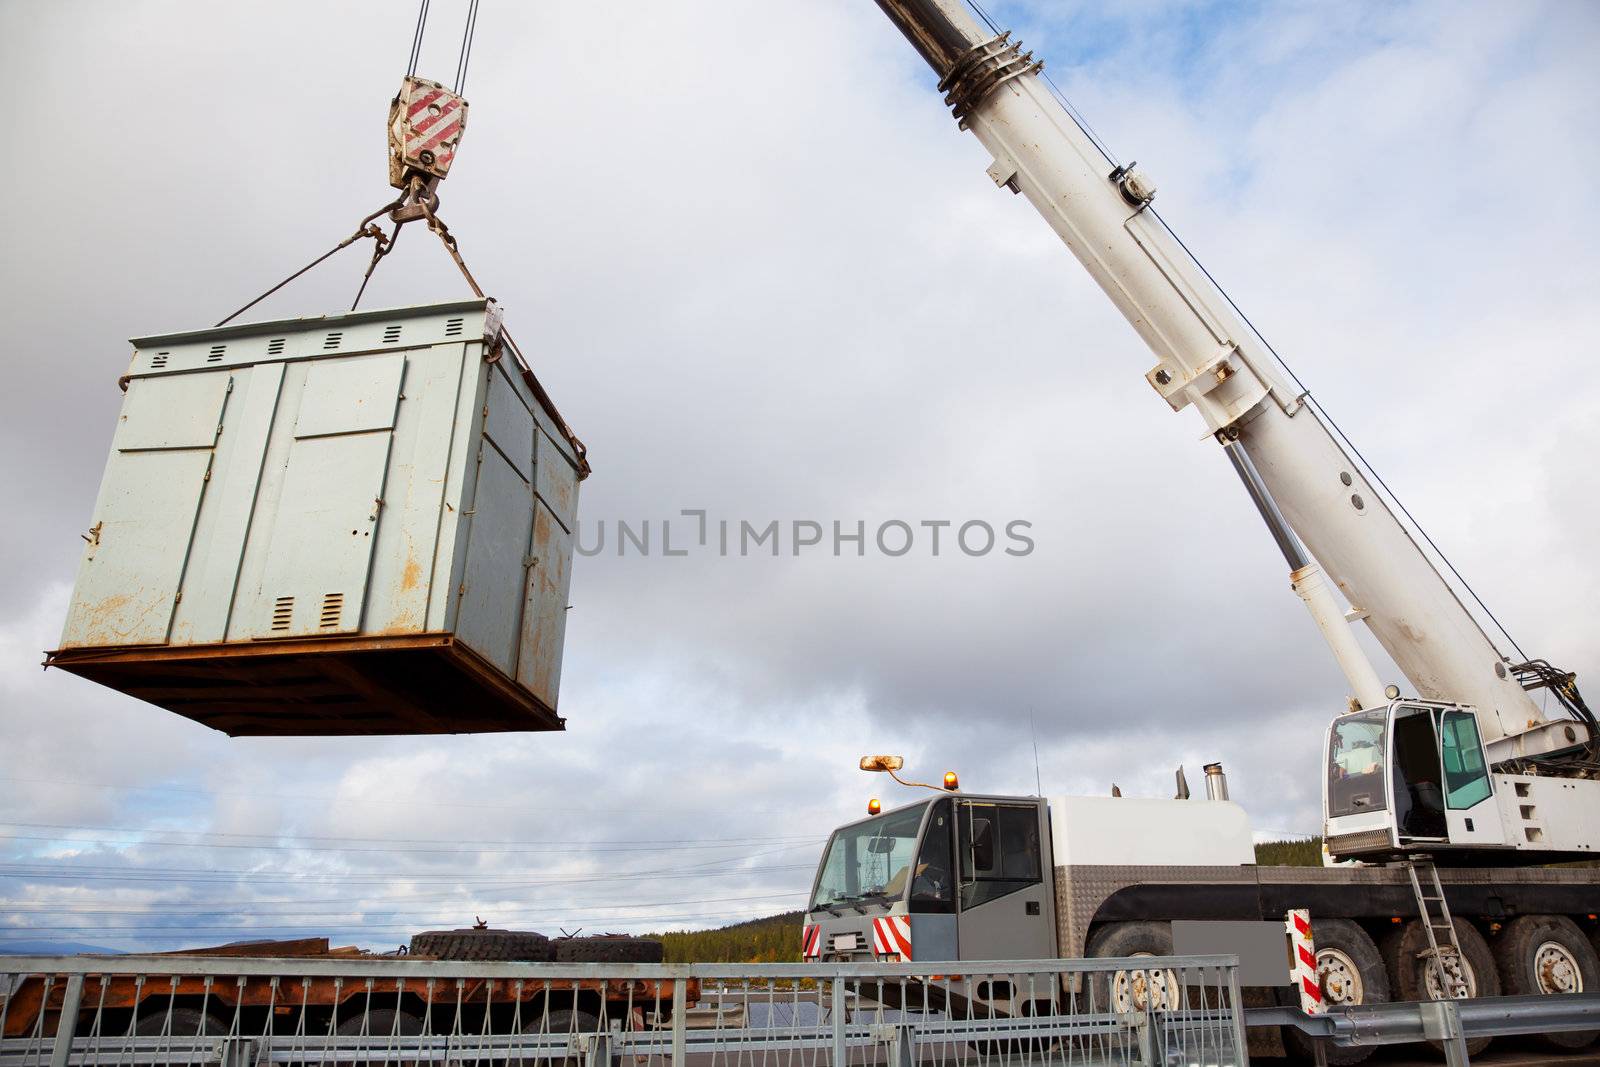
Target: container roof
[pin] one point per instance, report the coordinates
(309, 322)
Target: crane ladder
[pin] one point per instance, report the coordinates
(1446, 960)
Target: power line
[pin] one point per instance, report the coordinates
(326, 799)
(558, 849)
(255, 906)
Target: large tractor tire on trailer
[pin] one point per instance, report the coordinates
(1351, 972)
(1411, 974)
(607, 949)
(1542, 954)
(487, 945)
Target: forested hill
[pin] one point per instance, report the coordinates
(775, 939)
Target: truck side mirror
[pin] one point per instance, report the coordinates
(982, 845)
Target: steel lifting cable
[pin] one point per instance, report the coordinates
(468, 32)
(416, 40)
(368, 228)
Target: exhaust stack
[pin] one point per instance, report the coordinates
(1216, 782)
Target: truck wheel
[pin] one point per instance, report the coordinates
(475, 944)
(609, 949)
(186, 1022)
(1351, 972)
(1134, 990)
(1548, 954)
(382, 1025)
(567, 1021)
(1411, 975)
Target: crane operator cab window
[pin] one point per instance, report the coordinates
(998, 846)
(1356, 763)
(1466, 775)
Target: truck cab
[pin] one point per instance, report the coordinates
(951, 877)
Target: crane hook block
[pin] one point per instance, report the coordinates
(426, 121)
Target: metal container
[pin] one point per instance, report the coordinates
(352, 524)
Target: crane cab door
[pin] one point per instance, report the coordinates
(1441, 789)
(1414, 773)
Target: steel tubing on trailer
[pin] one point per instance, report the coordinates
(152, 1010)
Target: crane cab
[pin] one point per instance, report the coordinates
(1407, 778)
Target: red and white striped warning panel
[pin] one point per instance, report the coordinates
(891, 938)
(1303, 954)
(426, 121)
(811, 942)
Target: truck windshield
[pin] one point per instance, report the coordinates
(1355, 763)
(869, 862)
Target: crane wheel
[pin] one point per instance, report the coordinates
(1350, 970)
(608, 949)
(1540, 954)
(488, 945)
(1134, 990)
(1411, 974)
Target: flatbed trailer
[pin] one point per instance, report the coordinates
(320, 1005)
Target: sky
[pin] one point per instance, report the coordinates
(765, 277)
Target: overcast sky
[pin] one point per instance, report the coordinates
(764, 275)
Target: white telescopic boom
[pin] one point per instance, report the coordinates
(1209, 359)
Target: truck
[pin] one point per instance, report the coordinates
(1463, 772)
(973, 876)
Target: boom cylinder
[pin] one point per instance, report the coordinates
(1209, 359)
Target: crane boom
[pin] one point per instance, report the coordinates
(1306, 486)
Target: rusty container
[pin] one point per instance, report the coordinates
(353, 524)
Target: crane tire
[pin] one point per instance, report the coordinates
(1540, 954)
(1351, 972)
(1133, 990)
(1408, 970)
(487, 945)
(607, 949)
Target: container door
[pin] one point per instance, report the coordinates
(144, 522)
(497, 549)
(319, 552)
(490, 617)
(544, 619)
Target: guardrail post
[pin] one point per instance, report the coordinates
(902, 1045)
(238, 1052)
(680, 1008)
(67, 1026)
(1236, 1009)
(597, 1049)
(839, 1054)
(1442, 1022)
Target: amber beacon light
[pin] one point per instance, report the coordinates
(951, 782)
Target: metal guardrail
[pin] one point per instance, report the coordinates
(1450, 1022)
(142, 1011)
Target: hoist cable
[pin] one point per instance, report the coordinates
(416, 39)
(468, 32)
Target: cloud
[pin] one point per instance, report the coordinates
(764, 275)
